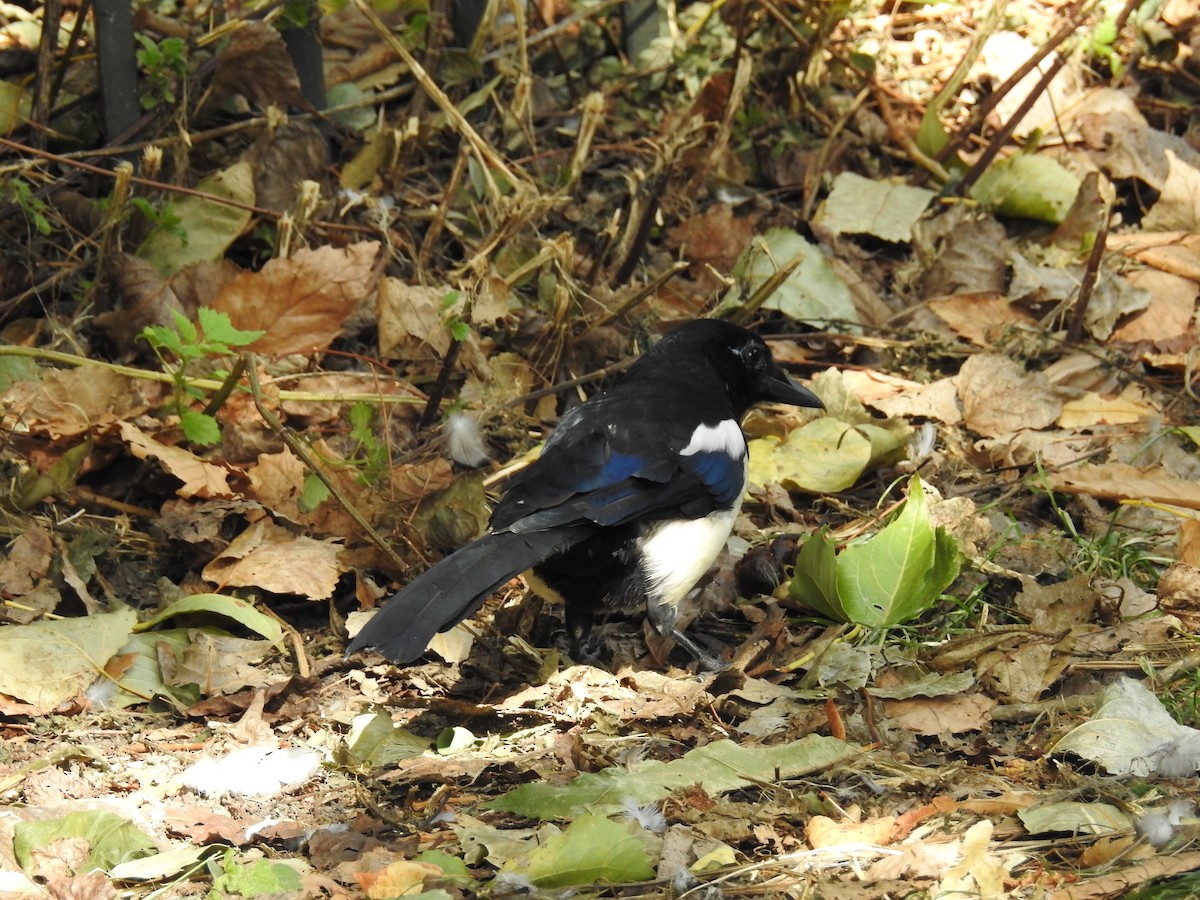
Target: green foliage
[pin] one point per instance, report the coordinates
(166, 218)
(370, 453)
(1102, 45)
(215, 337)
(165, 65)
(19, 191)
(261, 877)
(1116, 552)
(884, 580)
(110, 839)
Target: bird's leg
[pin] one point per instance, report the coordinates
(663, 617)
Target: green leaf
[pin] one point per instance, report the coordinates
(313, 493)
(815, 580)
(900, 572)
(454, 740)
(592, 850)
(717, 767)
(821, 457)
(47, 662)
(374, 740)
(220, 605)
(210, 227)
(454, 867)
(220, 330)
(200, 428)
(1191, 432)
(160, 337)
(885, 209)
(1028, 187)
(931, 133)
(260, 877)
(110, 839)
(884, 580)
(812, 293)
(142, 680)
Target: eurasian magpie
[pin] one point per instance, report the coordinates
(634, 495)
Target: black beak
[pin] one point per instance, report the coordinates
(778, 387)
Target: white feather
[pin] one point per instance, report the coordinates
(725, 436)
(464, 440)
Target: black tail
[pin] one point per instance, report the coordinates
(457, 586)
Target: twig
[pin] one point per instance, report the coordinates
(488, 157)
(747, 310)
(963, 134)
(993, 148)
(297, 446)
(1075, 327)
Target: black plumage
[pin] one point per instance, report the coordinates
(631, 500)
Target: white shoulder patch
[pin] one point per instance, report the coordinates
(725, 436)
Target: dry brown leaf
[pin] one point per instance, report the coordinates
(1169, 315)
(712, 241)
(999, 397)
(412, 320)
(28, 559)
(980, 318)
(300, 302)
(271, 557)
(941, 715)
(199, 284)
(1026, 448)
(66, 403)
(1020, 671)
(256, 64)
(937, 400)
(200, 478)
(1176, 252)
(1058, 607)
(1118, 481)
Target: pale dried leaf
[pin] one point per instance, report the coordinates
(941, 715)
(1177, 252)
(200, 478)
(1178, 206)
(1169, 314)
(1092, 409)
(823, 832)
(980, 318)
(271, 557)
(412, 320)
(999, 397)
(66, 403)
(1118, 481)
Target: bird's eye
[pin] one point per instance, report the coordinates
(753, 353)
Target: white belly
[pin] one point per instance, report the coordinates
(677, 554)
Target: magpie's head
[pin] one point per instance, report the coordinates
(740, 358)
